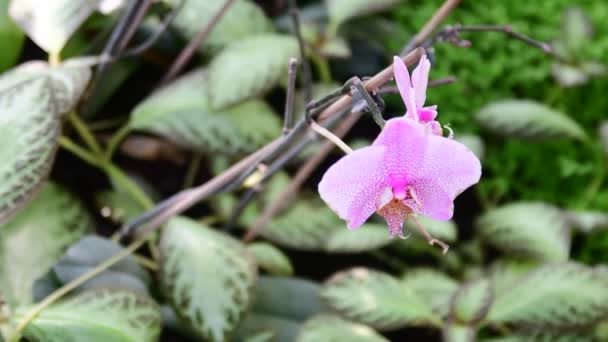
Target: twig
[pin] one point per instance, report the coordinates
(133, 25)
(186, 54)
(148, 43)
(294, 13)
(300, 177)
(371, 104)
(290, 97)
(327, 134)
(430, 26)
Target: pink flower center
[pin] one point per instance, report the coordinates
(399, 186)
(425, 115)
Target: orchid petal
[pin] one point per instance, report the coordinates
(405, 142)
(404, 84)
(420, 80)
(353, 185)
(394, 214)
(447, 170)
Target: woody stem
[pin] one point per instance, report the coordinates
(431, 240)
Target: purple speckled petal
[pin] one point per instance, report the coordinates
(404, 84)
(448, 169)
(420, 79)
(405, 142)
(353, 185)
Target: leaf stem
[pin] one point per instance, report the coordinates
(322, 67)
(65, 289)
(81, 153)
(115, 141)
(193, 168)
(118, 176)
(84, 132)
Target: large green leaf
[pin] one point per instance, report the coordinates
(271, 259)
(432, 286)
(33, 241)
(505, 273)
(11, 38)
(32, 97)
(376, 299)
(244, 18)
(528, 119)
(312, 226)
(560, 296)
(181, 113)
(533, 229)
(328, 328)
(98, 315)
(207, 275)
(587, 221)
(458, 333)
(543, 336)
(472, 301)
(341, 10)
(236, 79)
(51, 23)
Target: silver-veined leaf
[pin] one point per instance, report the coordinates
(434, 287)
(528, 119)
(458, 333)
(11, 38)
(208, 277)
(341, 10)
(329, 328)
(51, 23)
(35, 239)
(244, 18)
(472, 301)
(236, 79)
(377, 299)
(97, 315)
(560, 296)
(271, 259)
(181, 113)
(529, 228)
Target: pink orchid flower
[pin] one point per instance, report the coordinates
(406, 171)
(413, 93)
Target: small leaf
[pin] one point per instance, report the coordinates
(568, 75)
(341, 10)
(328, 328)
(471, 302)
(32, 242)
(586, 221)
(271, 259)
(528, 119)
(335, 47)
(555, 296)
(576, 30)
(432, 286)
(89, 252)
(376, 299)
(529, 228)
(51, 23)
(11, 38)
(97, 315)
(311, 226)
(181, 113)
(236, 79)
(458, 333)
(207, 275)
(244, 18)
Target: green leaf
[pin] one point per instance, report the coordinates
(569, 75)
(292, 298)
(32, 242)
(576, 30)
(98, 315)
(208, 277)
(271, 259)
(236, 79)
(543, 336)
(505, 273)
(31, 98)
(376, 299)
(433, 287)
(328, 328)
(533, 229)
(311, 226)
(471, 302)
(458, 333)
(181, 113)
(51, 23)
(528, 119)
(119, 206)
(586, 221)
(11, 38)
(559, 296)
(244, 18)
(282, 329)
(341, 10)
(92, 250)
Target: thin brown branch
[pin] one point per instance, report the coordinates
(431, 25)
(294, 13)
(290, 96)
(186, 54)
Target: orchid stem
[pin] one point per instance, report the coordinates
(431, 240)
(331, 137)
